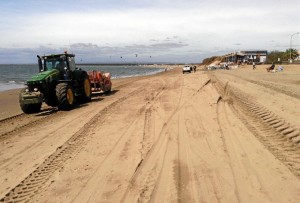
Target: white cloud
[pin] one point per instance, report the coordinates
(200, 25)
(113, 27)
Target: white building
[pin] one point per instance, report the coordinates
(259, 56)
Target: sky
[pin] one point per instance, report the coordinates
(116, 31)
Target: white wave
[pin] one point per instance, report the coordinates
(10, 86)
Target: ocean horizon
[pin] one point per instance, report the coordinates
(14, 76)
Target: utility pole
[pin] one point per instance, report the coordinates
(291, 60)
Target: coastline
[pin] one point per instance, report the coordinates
(9, 102)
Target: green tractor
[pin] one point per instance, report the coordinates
(58, 83)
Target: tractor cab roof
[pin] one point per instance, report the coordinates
(53, 56)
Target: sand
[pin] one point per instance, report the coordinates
(209, 136)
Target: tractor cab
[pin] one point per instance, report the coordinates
(64, 63)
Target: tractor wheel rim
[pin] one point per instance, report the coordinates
(70, 96)
(87, 87)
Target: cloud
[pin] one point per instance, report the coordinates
(157, 26)
(89, 51)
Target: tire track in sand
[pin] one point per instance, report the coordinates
(148, 183)
(281, 138)
(35, 181)
(12, 125)
(149, 171)
(18, 123)
(119, 149)
(293, 91)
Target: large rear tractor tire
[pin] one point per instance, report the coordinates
(85, 88)
(65, 96)
(29, 108)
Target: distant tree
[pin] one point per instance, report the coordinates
(292, 52)
(284, 56)
(273, 56)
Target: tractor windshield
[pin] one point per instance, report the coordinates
(54, 63)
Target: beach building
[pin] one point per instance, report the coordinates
(258, 56)
(235, 57)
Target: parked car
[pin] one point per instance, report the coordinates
(186, 69)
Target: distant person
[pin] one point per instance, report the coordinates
(254, 65)
(271, 67)
(226, 66)
(280, 69)
(195, 67)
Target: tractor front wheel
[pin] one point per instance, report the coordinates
(65, 96)
(28, 108)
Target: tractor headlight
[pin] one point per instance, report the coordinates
(35, 89)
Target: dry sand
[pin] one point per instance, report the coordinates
(209, 136)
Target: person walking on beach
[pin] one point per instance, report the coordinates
(254, 66)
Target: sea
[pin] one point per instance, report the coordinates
(14, 76)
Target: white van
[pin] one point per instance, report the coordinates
(186, 69)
